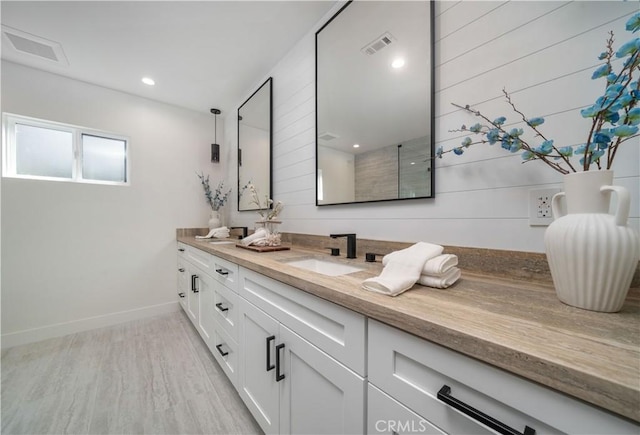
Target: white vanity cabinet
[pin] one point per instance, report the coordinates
(302, 364)
(296, 370)
(210, 304)
(436, 383)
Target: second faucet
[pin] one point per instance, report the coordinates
(351, 243)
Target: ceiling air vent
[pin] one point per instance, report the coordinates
(25, 43)
(378, 44)
(326, 136)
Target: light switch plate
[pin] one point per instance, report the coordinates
(540, 206)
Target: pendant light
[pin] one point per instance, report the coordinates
(215, 148)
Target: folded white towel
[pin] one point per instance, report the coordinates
(218, 233)
(403, 269)
(440, 265)
(257, 237)
(435, 266)
(443, 281)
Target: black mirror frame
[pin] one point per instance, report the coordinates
(431, 104)
(239, 155)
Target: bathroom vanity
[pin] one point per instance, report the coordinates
(312, 353)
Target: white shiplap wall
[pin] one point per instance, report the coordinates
(543, 53)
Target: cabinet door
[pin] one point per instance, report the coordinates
(318, 394)
(388, 416)
(256, 375)
(193, 299)
(206, 308)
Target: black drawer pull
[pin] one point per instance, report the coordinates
(181, 269)
(181, 249)
(280, 376)
(269, 365)
(181, 295)
(445, 396)
(219, 306)
(222, 272)
(223, 353)
(193, 283)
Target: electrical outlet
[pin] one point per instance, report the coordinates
(540, 206)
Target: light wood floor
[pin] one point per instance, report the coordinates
(152, 376)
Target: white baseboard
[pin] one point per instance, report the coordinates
(59, 329)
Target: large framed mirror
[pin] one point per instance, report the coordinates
(375, 103)
(254, 145)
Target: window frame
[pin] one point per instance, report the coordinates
(9, 170)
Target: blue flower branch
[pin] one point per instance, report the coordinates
(215, 199)
(615, 117)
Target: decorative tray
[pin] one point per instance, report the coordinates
(263, 248)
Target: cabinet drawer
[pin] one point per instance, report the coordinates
(223, 271)
(225, 351)
(198, 258)
(336, 330)
(388, 416)
(226, 310)
(182, 250)
(413, 371)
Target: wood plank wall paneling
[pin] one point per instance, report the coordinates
(542, 52)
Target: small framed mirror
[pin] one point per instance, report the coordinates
(254, 145)
(374, 103)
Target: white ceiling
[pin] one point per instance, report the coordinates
(361, 98)
(201, 54)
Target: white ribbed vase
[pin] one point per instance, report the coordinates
(215, 220)
(592, 254)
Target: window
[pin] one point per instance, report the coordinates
(46, 150)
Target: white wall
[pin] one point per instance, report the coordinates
(255, 158)
(338, 175)
(76, 256)
(542, 52)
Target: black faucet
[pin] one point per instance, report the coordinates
(245, 231)
(351, 243)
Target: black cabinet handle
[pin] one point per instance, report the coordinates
(269, 365)
(222, 272)
(181, 249)
(193, 283)
(219, 306)
(223, 353)
(445, 396)
(181, 269)
(280, 376)
(181, 295)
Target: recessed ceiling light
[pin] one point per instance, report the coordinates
(148, 81)
(398, 63)
(413, 163)
(356, 145)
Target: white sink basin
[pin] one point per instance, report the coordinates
(324, 267)
(222, 242)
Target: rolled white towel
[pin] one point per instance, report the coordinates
(403, 270)
(435, 266)
(443, 281)
(221, 233)
(216, 232)
(259, 235)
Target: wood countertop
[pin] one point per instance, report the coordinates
(516, 325)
